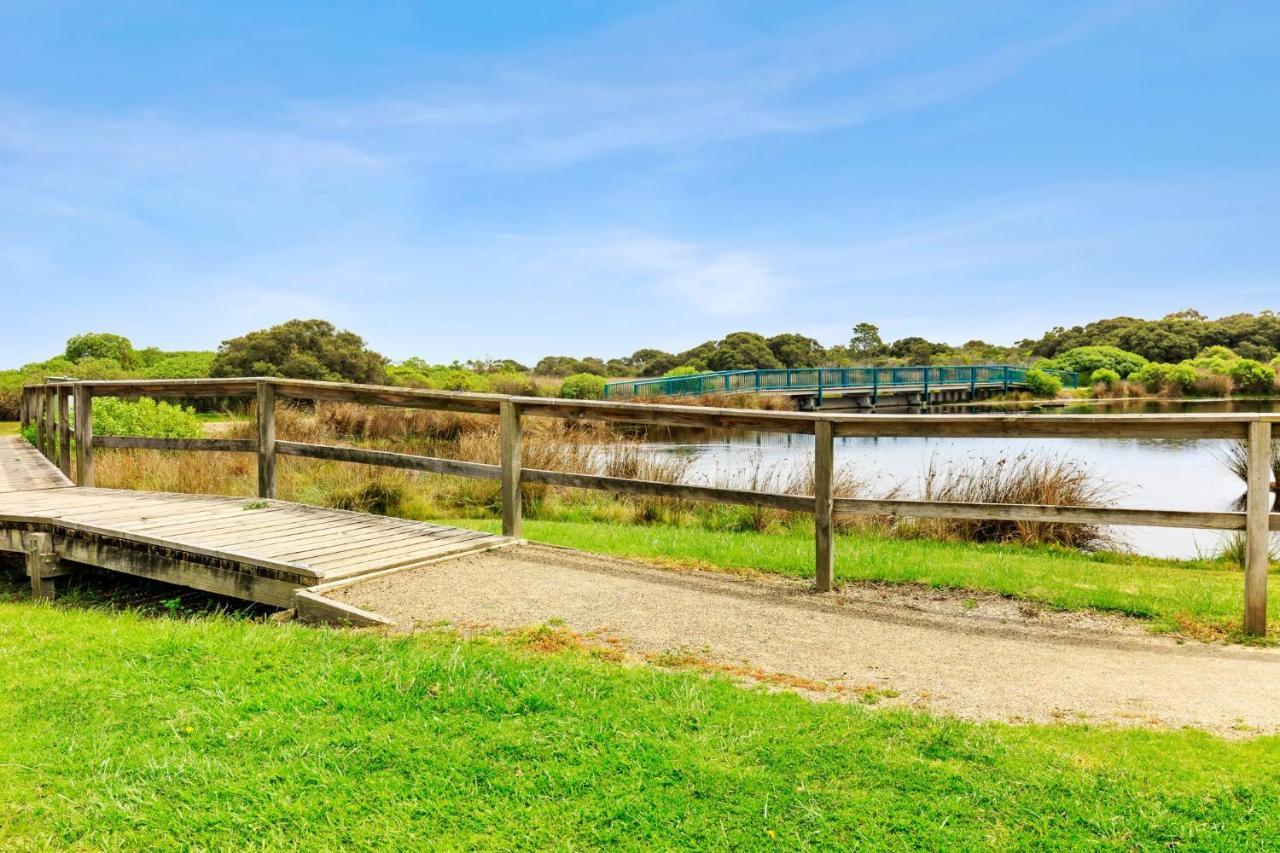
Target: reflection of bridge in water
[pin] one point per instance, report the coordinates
(846, 387)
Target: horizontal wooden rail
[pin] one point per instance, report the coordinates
(47, 407)
(387, 459)
(130, 442)
(654, 488)
(1050, 513)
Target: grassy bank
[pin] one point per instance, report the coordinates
(1203, 599)
(118, 730)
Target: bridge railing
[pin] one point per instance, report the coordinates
(819, 379)
(62, 413)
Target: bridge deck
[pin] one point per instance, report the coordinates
(253, 549)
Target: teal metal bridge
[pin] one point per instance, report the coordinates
(819, 380)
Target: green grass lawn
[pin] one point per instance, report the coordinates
(1197, 597)
(8, 427)
(119, 730)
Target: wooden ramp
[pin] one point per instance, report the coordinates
(248, 548)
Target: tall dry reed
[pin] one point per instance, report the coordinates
(1022, 479)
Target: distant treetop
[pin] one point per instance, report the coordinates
(300, 349)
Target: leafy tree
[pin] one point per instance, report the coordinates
(742, 351)
(1158, 343)
(866, 343)
(795, 350)
(917, 350)
(102, 345)
(300, 349)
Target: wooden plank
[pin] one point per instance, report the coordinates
(1043, 512)
(509, 441)
(1044, 426)
(134, 442)
(380, 553)
(169, 388)
(189, 547)
(458, 546)
(391, 460)
(317, 609)
(823, 476)
(388, 395)
(175, 570)
(1257, 536)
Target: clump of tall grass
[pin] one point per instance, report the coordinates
(1022, 479)
(1235, 458)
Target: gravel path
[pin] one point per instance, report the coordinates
(981, 659)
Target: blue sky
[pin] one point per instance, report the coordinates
(487, 179)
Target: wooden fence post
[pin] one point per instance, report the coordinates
(24, 409)
(266, 440)
(1257, 529)
(84, 436)
(64, 430)
(823, 503)
(51, 423)
(509, 438)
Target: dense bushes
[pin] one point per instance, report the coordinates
(1105, 376)
(1157, 377)
(1085, 360)
(1252, 376)
(1043, 384)
(583, 386)
(144, 417)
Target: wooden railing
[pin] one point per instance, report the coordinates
(62, 413)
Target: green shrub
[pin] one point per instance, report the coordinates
(682, 370)
(1253, 376)
(583, 386)
(1156, 377)
(145, 417)
(1043, 384)
(1085, 360)
(1104, 376)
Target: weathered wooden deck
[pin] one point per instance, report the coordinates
(260, 550)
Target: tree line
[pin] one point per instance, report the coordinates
(316, 349)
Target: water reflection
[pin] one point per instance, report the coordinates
(1179, 474)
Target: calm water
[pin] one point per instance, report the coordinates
(1146, 473)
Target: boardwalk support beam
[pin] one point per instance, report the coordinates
(1257, 532)
(42, 564)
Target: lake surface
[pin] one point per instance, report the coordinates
(1145, 473)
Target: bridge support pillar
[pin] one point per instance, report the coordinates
(43, 564)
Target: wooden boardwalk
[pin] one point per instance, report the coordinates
(260, 550)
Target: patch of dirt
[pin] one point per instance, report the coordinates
(972, 655)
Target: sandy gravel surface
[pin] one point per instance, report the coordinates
(983, 659)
